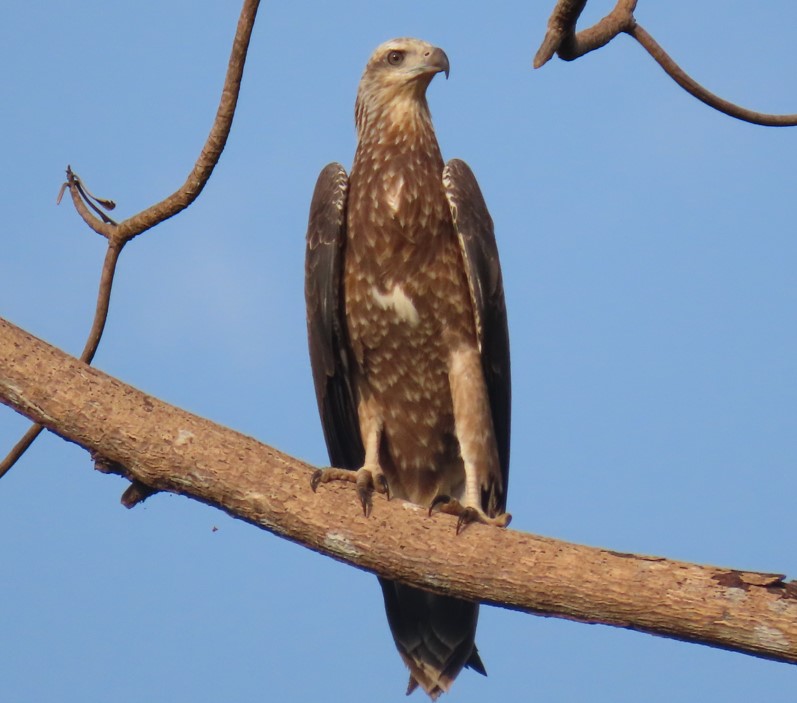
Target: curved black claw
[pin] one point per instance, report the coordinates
(365, 486)
(381, 485)
(467, 517)
(439, 500)
(315, 479)
(365, 499)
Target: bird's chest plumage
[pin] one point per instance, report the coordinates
(407, 303)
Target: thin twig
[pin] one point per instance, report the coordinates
(103, 300)
(214, 145)
(694, 88)
(208, 157)
(106, 229)
(19, 448)
(105, 203)
(89, 350)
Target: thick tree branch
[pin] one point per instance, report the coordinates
(162, 447)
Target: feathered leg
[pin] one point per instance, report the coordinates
(369, 477)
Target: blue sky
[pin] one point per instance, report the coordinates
(649, 255)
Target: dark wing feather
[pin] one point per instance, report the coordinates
(474, 228)
(326, 327)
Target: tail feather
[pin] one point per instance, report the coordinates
(433, 634)
(475, 662)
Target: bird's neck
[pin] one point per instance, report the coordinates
(403, 127)
(400, 115)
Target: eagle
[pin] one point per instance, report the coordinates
(408, 338)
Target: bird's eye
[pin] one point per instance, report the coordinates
(394, 58)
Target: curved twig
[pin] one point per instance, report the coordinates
(208, 157)
(694, 88)
(103, 301)
(20, 448)
(82, 204)
(89, 350)
(562, 39)
(119, 234)
(214, 145)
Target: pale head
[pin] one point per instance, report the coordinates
(396, 77)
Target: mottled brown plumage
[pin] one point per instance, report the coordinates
(408, 337)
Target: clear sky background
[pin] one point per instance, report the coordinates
(649, 258)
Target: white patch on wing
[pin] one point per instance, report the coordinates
(397, 301)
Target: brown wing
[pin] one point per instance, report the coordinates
(326, 327)
(474, 228)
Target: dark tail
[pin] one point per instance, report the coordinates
(433, 634)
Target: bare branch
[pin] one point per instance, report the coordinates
(20, 448)
(208, 157)
(164, 448)
(89, 350)
(692, 87)
(84, 206)
(561, 38)
(103, 300)
(561, 24)
(118, 234)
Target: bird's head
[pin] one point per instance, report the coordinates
(396, 77)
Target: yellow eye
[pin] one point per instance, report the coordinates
(395, 58)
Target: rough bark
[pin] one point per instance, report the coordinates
(162, 447)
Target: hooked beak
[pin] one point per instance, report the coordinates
(438, 61)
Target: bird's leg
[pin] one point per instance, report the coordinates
(473, 425)
(368, 478)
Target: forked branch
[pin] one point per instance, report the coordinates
(561, 38)
(164, 448)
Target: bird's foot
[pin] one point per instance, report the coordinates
(367, 479)
(467, 514)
